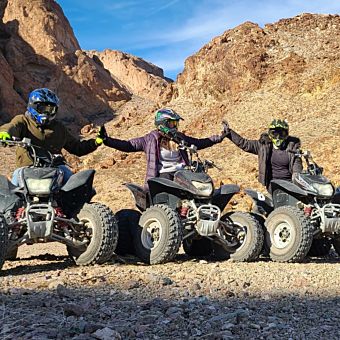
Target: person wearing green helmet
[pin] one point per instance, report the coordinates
(275, 149)
(163, 156)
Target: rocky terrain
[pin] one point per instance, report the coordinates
(248, 75)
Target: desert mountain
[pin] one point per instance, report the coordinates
(38, 48)
(248, 75)
(140, 77)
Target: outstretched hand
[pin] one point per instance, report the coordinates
(3, 137)
(226, 129)
(101, 135)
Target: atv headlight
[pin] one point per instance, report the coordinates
(39, 186)
(205, 189)
(326, 190)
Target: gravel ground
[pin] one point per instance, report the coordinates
(44, 296)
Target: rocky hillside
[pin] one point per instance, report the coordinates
(38, 49)
(248, 75)
(140, 77)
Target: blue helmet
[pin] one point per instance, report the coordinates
(42, 106)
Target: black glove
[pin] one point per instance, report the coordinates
(226, 129)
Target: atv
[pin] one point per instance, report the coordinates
(188, 210)
(44, 209)
(302, 217)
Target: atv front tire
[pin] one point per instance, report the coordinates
(3, 240)
(158, 236)
(100, 226)
(289, 235)
(128, 220)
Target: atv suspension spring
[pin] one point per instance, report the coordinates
(308, 210)
(183, 211)
(19, 213)
(59, 212)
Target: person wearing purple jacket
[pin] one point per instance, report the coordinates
(162, 153)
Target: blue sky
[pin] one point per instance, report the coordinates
(166, 32)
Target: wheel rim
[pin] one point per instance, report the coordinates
(241, 234)
(282, 235)
(151, 233)
(87, 232)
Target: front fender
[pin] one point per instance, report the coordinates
(8, 197)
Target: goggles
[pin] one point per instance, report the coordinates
(47, 109)
(172, 124)
(278, 133)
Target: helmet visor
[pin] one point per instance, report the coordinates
(47, 109)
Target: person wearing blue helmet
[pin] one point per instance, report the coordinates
(39, 124)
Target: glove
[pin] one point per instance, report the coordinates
(226, 129)
(101, 135)
(4, 136)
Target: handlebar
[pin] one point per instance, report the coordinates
(197, 165)
(40, 156)
(24, 143)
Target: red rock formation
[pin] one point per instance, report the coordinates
(42, 51)
(139, 76)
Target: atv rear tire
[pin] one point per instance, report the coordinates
(101, 225)
(320, 247)
(336, 245)
(12, 255)
(289, 235)
(252, 244)
(128, 220)
(3, 240)
(197, 247)
(159, 235)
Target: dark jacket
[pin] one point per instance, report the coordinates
(263, 148)
(53, 138)
(150, 145)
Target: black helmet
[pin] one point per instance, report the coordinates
(278, 131)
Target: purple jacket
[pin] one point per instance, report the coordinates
(150, 145)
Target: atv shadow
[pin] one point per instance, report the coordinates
(56, 263)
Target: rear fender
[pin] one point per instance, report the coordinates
(223, 195)
(140, 195)
(263, 204)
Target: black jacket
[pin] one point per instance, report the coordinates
(263, 148)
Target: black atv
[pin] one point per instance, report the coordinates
(42, 209)
(188, 209)
(302, 217)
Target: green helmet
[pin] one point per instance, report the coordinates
(278, 131)
(166, 120)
